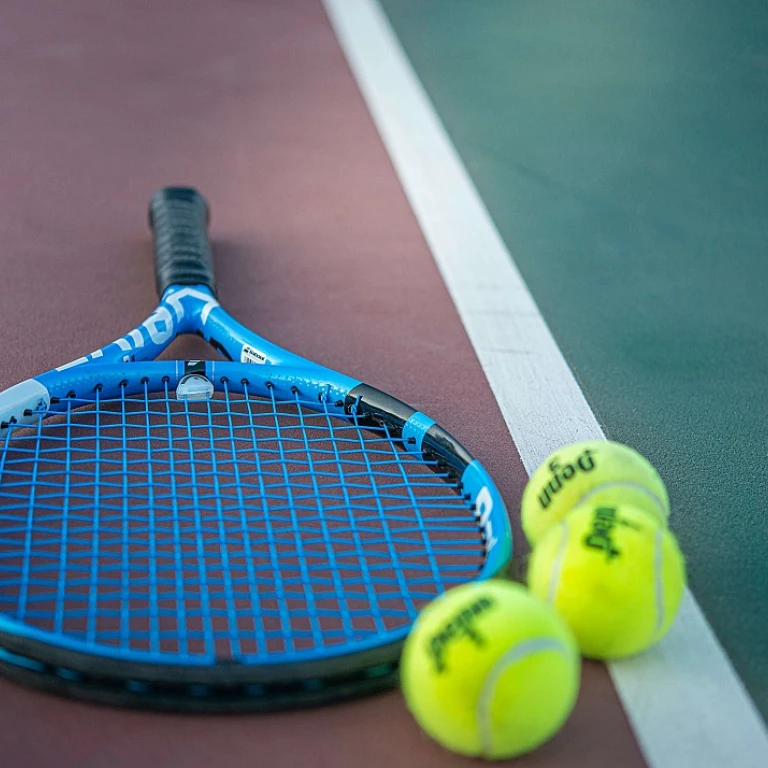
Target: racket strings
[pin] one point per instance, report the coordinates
(236, 527)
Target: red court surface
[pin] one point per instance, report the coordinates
(317, 247)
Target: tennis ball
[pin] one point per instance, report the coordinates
(489, 670)
(614, 574)
(593, 472)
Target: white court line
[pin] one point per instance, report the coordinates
(686, 704)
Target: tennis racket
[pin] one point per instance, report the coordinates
(255, 532)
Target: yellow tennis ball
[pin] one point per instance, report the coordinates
(592, 472)
(614, 574)
(489, 670)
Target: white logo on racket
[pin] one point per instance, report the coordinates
(484, 504)
(252, 355)
(160, 325)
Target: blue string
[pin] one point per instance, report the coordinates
(202, 594)
(251, 580)
(152, 584)
(63, 540)
(339, 592)
(291, 636)
(228, 595)
(350, 517)
(93, 581)
(125, 553)
(178, 574)
(26, 571)
(274, 572)
(427, 544)
(404, 592)
(240, 527)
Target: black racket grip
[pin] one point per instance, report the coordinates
(179, 218)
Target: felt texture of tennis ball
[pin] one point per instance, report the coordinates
(489, 670)
(615, 575)
(592, 472)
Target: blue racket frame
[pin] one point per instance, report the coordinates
(195, 310)
(252, 365)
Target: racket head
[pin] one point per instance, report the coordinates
(264, 546)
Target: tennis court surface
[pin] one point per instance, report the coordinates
(536, 224)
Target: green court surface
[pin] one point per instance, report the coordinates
(621, 150)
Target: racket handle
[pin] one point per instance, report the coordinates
(178, 218)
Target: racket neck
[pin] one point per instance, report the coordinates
(182, 310)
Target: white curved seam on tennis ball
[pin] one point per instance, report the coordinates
(635, 486)
(557, 565)
(485, 699)
(658, 571)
